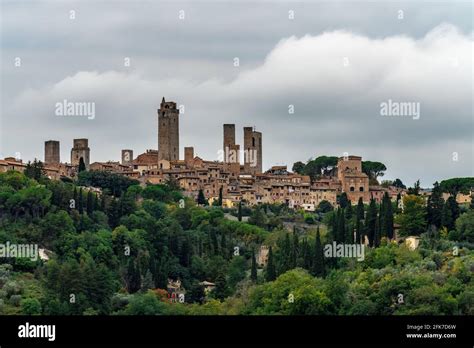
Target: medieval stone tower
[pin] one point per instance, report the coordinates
(127, 157)
(168, 131)
(51, 151)
(80, 150)
(231, 150)
(353, 181)
(252, 151)
(189, 156)
(229, 136)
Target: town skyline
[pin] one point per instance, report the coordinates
(65, 152)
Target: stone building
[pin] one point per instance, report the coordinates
(229, 137)
(231, 151)
(51, 151)
(145, 161)
(168, 131)
(80, 150)
(110, 166)
(189, 156)
(252, 151)
(353, 181)
(11, 163)
(246, 182)
(59, 170)
(127, 157)
(53, 171)
(175, 291)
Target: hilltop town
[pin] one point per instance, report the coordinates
(240, 182)
(157, 234)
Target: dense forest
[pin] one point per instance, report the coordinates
(112, 246)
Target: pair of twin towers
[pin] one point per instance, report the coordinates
(168, 142)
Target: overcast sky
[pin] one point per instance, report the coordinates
(335, 62)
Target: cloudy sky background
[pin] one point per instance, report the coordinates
(425, 57)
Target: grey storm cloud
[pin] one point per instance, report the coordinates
(334, 63)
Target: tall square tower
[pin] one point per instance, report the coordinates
(80, 150)
(168, 131)
(51, 151)
(252, 151)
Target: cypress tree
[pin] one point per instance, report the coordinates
(81, 203)
(120, 207)
(253, 272)
(215, 245)
(306, 251)
(113, 213)
(221, 287)
(56, 197)
(133, 277)
(435, 206)
(294, 250)
(102, 203)
(453, 206)
(224, 248)
(185, 253)
(341, 227)
(219, 202)
(239, 214)
(318, 262)
(447, 217)
(29, 171)
(161, 273)
(74, 197)
(389, 218)
(349, 228)
(378, 228)
(343, 201)
(371, 221)
(359, 228)
(334, 221)
(382, 215)
(201, 199)
(359, 231)
(80, 227)
(96, 202)
(200, 247)
(360, 209)
(349, 210)
(90, 203)
(82, 165)
(349, 233)
(399, 197)
(285, 253)
(271, 273)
